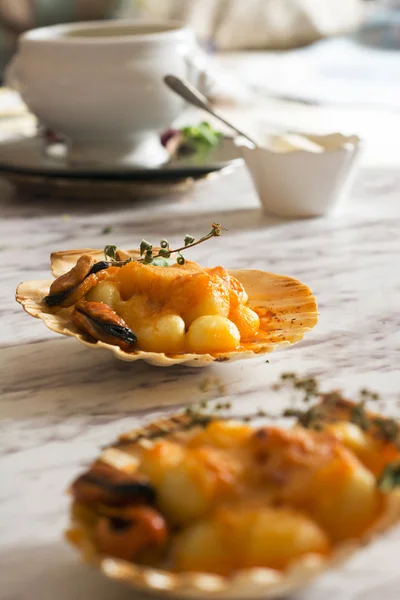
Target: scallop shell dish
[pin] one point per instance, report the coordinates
(200, 505)
(142, 305)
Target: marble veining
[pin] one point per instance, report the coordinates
(60, 401)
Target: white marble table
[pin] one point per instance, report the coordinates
(60, 401)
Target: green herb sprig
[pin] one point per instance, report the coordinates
(162, 257)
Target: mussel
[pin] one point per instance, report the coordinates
(102, 323)
(139, 532)
(99, 266)
(67, 289)
(103, 484)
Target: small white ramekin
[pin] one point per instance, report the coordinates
(300, 183)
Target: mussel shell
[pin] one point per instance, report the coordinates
(74, 276)
(106, 491)
(58, 298)
(118, 331)
(102, 323)
(99, 266)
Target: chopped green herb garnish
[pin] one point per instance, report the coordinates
(203, 385)
(359, 417)
(286, 376)
(390, 477)
(308, 385)
(366, 394)
(310, 419)
(387, 429)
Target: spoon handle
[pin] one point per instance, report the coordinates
(189, 93)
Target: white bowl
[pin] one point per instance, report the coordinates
(305, 180)
(101, 84)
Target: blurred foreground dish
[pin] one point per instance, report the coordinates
(261, 509)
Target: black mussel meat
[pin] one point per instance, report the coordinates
(102, 323)
(103, 484)
(99, 266)
(138, 532)
(67, 289)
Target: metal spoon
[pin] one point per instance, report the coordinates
(188, 92)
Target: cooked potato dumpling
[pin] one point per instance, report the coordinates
(106, 292)
(237, 292)
(223, 434)
(211, 334)
(161, 304)
(187, 481)
(136, 311)
(345, 500)
(246, 320)
(184, 493)
(322, 477)
(159, 457)
(237, 537)
(162, 334)
(202, 294)
(373, 453)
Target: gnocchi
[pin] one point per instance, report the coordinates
(372, 452)
(235, 537)
(321, 475)
(219, 496)
(182, 308)
(212, 334)
(105, 292)
(345, 500)
(136, 311)
(246, 320)
(164, 333)
(222, 434)
(187, 480)
(202, 294)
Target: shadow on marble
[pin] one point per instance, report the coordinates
(24, 204)
(47, 571)
(64, 377)
(233, 220)
(14, 202)
(53, 571)
(43, 572)
(230, 198)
